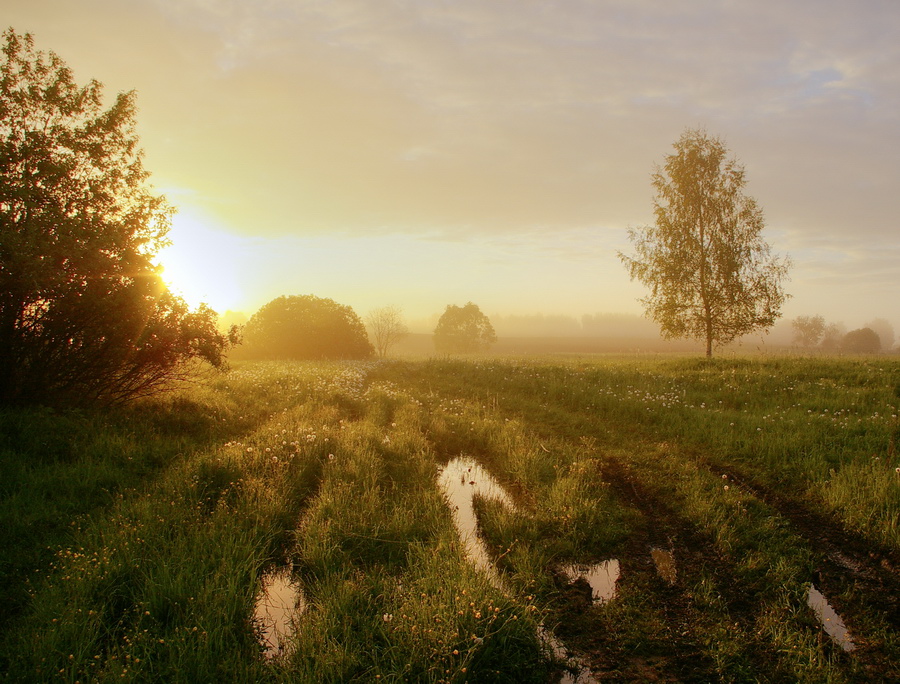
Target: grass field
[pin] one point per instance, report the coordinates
(723, 496)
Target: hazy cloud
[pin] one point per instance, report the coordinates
(527, 120)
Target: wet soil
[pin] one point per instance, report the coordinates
(668, 651)
(846, 558)
(858, 580)
(861, 580)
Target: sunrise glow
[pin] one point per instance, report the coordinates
(421, 154)
(204, 265)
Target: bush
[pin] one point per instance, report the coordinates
(861, 341)
(305, 327)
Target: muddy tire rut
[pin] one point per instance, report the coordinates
(680, 656)
(845, 557)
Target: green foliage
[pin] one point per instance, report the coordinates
(463, 330)
(305, 327)
(710, 273)
(84, 315)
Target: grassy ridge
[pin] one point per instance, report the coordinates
(160, 521)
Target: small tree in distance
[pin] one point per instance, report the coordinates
(832, 336)
(861, 341)
(463, 330)
(710, 273)
(808, 330)
(885, 332)
(386, 328)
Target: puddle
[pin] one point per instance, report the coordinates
(665, 564)
(278, 603)
(461, 479)
(831, 621)
(583, 675)
(602, 577)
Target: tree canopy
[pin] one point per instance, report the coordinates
(463, 330)
(305, 327)
(710, 273)
(84, 315)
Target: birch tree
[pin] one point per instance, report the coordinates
(710, 273)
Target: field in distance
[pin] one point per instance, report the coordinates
(539, 519)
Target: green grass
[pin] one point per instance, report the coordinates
(134, 541)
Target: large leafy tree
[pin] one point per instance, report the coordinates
(84, 315)
(463, 330)
(305, 327)
(710, 273)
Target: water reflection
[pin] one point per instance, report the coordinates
(461, 479)
(665, 564)
(278, 603)
(602, 577)
(831, 621)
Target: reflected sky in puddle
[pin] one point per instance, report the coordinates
(460, 480)
(278, 603)
(602, 577)
(830, 620)
(664, 560)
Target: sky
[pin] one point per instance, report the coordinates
(420, 153)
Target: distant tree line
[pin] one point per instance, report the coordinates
(812, 332)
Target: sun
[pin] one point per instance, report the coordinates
(203, 265)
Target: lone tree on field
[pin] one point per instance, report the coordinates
(84, 315)
(710, 273)
(305, 327)
(808, 330)
(387, 328)
(463, 330)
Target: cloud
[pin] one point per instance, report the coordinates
(503, 120)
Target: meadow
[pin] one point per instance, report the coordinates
(726, 501)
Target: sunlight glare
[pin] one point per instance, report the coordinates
(203, 264)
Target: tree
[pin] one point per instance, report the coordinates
(710, 273)
(84, 315)
(861, 341)
(305, 327)
(833, 336)
(463, 330)
(885, 332)
(387, 328)
(808, 330)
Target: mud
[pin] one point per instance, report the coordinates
(847, 560)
